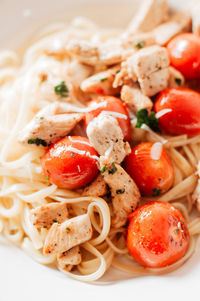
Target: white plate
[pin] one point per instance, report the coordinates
(21, 278)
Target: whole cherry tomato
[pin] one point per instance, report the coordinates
(183, 116)
(157, 235)
(184, 54)
(112, 104)
(70, 163)
(151, 168)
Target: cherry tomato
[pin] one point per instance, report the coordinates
(69, 164)
(184, 117)
(153, 174)
(184, 54)
(112, 104)
(157, 235)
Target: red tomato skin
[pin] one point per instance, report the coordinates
(112, 104)
(157, 235)
(184, 117)
(184, 54)
(67, 169)
(148, 173)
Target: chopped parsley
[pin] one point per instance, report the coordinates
(149, 119)
(61, 89)
(103, 169)
(117, 71)
(72, 154)
(68, 229)
(103, 79)
(55, 221)
(120, 191)
(47, 178)
(178, 81)
(113, 169)
(156, 191)
(37, 141)
(139, 44)
(41, 117)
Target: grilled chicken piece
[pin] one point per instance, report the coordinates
(125, 193)
(195, 12)
(106, 137)
(50, 124)
(44, 216)
(137, 41)
(149, 60)
(101, 82)
(70, 258)
(71, 233)
(176, 79)
(96, 188)
(155, 82)
(151, 68)
(107, 53)
(134, 98)
(151, 13)
(178, 23)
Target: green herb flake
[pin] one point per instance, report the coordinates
(61, 89)
(120, 191)
(113, 169)
(72, 154)
(178, 81)
(103, 79)
(117, 71)
(41, 117)
(37, 141)
(47, 178)
(139, 44)
(149, 119)
(156, 191)
(55, 221)
(176, 230)
(68, 229)
(103, 169)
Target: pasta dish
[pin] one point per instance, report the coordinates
(100, 144)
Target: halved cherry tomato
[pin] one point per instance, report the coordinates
(69, 164)
(184, 54)
(111, 104)
(153, 174)
(184, 114)
(157, 235)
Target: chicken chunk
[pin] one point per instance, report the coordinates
(151, 13)
(176, 79)
(44, 216)
(49, 125)
(155, 82)
(71, 233)
(135, 99)
(125, 193)
(107, 138)
(151, 68)
(149, 60)
(96, 188)
(137, 41)
(101, 82)
(107, 53)
(195, 12)
(70, 258)
(178, 23)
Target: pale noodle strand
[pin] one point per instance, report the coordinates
(29, 248)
